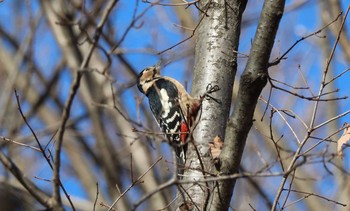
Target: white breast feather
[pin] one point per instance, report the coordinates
(166, 104)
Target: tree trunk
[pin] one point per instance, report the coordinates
(252, 82)
(215, 64)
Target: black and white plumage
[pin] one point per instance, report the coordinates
(173, 108)
(164, 103)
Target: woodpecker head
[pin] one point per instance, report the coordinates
(146, 78)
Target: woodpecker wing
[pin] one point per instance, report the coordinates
(164, 103)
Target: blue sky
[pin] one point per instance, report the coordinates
(152, 31)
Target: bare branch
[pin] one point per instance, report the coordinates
(137, 181)
(38, 194)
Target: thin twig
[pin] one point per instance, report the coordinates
(322, 140)
(37, 193)
(42, 150)
(330, 120)
(137, 181)
(313, 98)
(336, 77)
(193, 32)
(118, 110)
(278, 60)
(304, 80)
(174, 181)
(313, 116)
(288, 192)
(275, 142)
(131, 25)
(20, 144)
(288, 125)
(97, 192)
(172, 5)
(313, 194)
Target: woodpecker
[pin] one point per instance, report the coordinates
(173, 108)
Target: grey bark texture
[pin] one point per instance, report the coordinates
(252, 82)
(215, 64)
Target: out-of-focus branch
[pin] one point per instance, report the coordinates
(38, 194)
(66, 111)
(278, 60)
(13, 73)
(312, 126)
(331, 8)
(138, 180)
(42, 150)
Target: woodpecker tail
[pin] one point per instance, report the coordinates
(180, 152)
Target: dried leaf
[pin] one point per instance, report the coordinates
(216, 147)
(343, 139)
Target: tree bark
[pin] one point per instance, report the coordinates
(252, 81)
(215, 64)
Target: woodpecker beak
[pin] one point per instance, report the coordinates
(157, 67)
